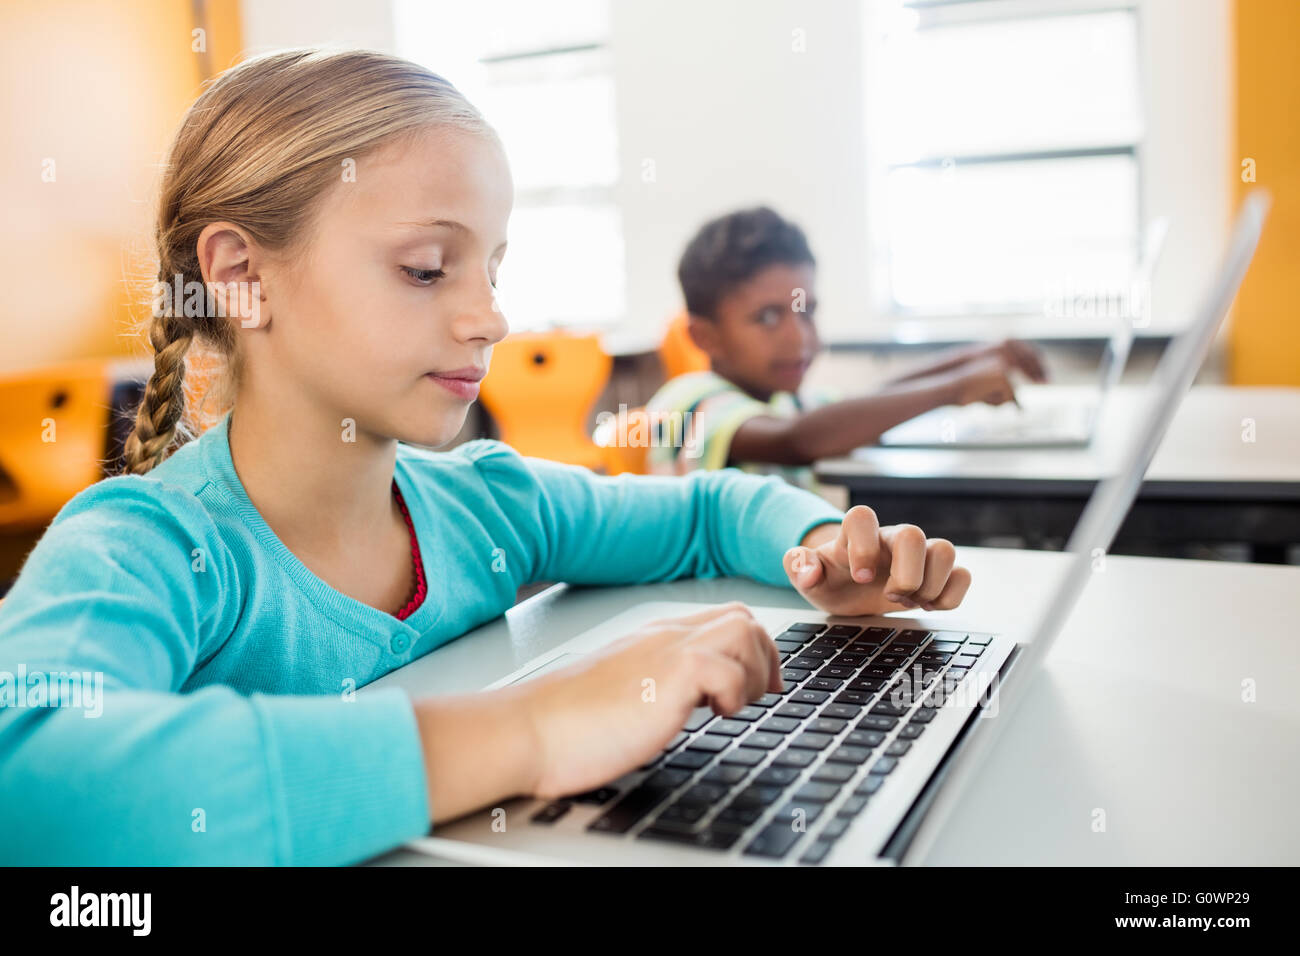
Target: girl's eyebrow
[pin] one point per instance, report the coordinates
(444, 224)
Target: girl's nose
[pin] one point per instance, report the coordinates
(482, 320)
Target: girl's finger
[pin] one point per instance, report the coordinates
(953, 591)
(940, 556)
(708, 614)
(803, 566)
(906, 543)
(860, 540)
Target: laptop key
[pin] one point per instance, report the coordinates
(551, 812)
(827, 725)
(688, 760)
(775, 841)
(598, 797)
(840, 711)
(849, 754)
(703, 794)
(799, 812)
(811, 627)
(737, 818)
(911, 731)
(809, 740)
(824, 683)
(725, 774)
(834, 773)
(698, 718)
(749, 713)
(629, 811)
(709, 743)
(898, 748)
(729, 728)
(819, 792)
(766, 701)
(762, 740)
(843, 630)
(744, 756)
(778, 725)
(924, 715)
(869, 786)
(666, 779)
(777, 776)
(943, 647)
(883, 766)
(834, 829)
(795, 710)
(794, 758)
(877, 722)
(852, 806)
(864, 738)
(810, 696)
(853, 698)
(708, 839)
(981, 639)
(757, 795)
(817, 852)
(886, 709)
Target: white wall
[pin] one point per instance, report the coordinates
(275, 24)
(716, 95)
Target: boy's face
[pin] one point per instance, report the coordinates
(764, 338)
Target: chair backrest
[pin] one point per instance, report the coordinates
(540, 390)
(678, 353)
(53, 432)
(625, 440)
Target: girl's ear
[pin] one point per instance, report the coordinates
(231, 261)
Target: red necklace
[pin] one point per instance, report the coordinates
(420, 589)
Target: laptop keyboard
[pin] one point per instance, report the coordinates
(805, 761)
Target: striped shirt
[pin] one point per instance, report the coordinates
(695, 416)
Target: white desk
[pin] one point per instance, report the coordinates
(1205, 484)
(1139, 711)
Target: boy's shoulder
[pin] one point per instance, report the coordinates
(687, 391)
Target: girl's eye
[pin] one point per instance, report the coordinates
(424, 276)
(769, 317)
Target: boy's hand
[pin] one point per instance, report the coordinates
(1015, 354)
(860, 568)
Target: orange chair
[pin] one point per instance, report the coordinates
(53, 426)
(625, 441)
(678, 353)
(540, 390)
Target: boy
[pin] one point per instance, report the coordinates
(748, 279)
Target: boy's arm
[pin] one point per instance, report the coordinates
(1015, 353)
(113, 605)
(838, 428)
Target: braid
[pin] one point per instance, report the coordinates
(163, 406)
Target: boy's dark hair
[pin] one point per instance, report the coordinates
(734, 248)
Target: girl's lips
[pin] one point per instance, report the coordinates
(462, 388)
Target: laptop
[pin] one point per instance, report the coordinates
(1046, 416)
(881, 725)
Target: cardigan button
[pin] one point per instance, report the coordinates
(399, 644)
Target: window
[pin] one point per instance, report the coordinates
(1003, 139)
(545, 82)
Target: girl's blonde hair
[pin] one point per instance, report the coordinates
(259, 148)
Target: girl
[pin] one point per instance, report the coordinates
(349, 212)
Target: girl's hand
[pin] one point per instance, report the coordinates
(611, 713)
(860, 568)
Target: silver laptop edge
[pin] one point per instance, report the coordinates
(1107, 507)
(904, 818)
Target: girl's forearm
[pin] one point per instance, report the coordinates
(478, 749)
